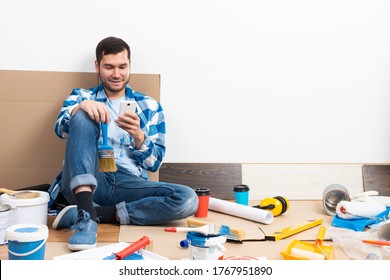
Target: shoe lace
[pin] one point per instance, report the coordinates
(83, 222)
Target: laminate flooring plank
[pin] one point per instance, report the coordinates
(220, 178)
(377, 177)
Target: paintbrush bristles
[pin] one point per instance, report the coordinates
(106, 153)
(107, 165)
(107, 161)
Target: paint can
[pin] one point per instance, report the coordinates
(5, 213)
(27, 210)
(206, 247)
(27, 241)
(332, 195)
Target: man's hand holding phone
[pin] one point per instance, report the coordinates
(129, 121)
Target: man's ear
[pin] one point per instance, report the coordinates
(96, 66)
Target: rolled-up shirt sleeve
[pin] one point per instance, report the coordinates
(152, 151)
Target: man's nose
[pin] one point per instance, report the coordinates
(115, 72)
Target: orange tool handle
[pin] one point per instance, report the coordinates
(139, 244)
(320, 235)
(377, 242)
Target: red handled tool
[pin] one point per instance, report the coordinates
(137, 245)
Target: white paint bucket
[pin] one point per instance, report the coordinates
(5, 213)
(27, 241)
(27, 210)
(206, 247)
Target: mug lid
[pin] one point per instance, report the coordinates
(202, 191)
(241, 188)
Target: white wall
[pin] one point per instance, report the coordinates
(242, 81)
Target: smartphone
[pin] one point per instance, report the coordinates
(127, 106)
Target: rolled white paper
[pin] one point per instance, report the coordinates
(240, 210)
(356, 209)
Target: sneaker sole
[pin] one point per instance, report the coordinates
(79, 247)
(59, 216)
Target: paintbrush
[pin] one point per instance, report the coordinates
(19, 194)
(206, 229)
(106, 153)
(232, 234)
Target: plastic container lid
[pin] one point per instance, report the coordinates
(201, 240)
(27, 232)
(15, 202)
(202, 191)
(241, 188)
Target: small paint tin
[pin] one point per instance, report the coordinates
(206, 247)
(5, 221)
(332, 195)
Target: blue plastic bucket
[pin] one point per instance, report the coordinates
(27, 241)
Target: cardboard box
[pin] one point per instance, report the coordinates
(31, 153)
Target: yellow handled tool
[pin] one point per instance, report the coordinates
(288, 231)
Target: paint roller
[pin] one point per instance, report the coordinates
(356, 209)
(306, 254)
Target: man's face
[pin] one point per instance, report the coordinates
(114, 72)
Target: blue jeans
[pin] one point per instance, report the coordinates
(146, 202)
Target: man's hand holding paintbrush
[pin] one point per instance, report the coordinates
(97, 111)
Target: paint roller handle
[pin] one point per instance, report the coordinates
(320, 235)
(137, 245)
(364, 194)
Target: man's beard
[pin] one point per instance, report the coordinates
(109, 88)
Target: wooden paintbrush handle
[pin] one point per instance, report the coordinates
(7, 191)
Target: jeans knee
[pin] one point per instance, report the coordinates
(191, 200)
(81, 121)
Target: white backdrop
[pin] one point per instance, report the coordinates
(242, 80)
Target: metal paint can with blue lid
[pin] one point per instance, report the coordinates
(206, 247)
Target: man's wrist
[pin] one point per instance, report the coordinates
(139, 140)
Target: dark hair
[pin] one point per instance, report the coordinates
(111, 45)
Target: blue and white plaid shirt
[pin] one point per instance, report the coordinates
(152, 122)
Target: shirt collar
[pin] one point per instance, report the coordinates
(101, 94)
